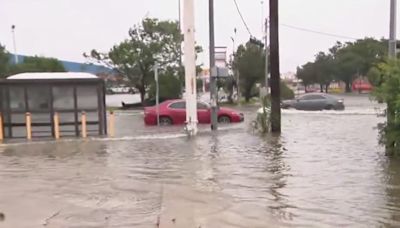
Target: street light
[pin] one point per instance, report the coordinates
(179, 15)
(157, 92)
(14, 43)
(262, 16)
(235, 70)
(393, 25)
(233, 38)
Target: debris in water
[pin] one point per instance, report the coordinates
(46, 222)
(2, 217)
(158, 221)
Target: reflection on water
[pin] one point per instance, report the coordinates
(325, 170)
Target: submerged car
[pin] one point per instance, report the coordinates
(174, 112)
(315, 102)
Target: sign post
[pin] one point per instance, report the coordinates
(157, 93)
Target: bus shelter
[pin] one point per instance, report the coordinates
(44, 94)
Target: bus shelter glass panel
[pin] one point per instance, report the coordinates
(92, 123)
(63, 98)
(17, 99)
(67, 123)
(18, 121)
(39, 106)
(87, 97)
(19, 132)
(38, 98)
(41, 125)
(64, 104)
(4, 111)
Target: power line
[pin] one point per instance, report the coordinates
(318, 32)
(241, 16)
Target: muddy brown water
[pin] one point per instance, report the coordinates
(325, 170)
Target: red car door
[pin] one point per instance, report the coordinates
(177, 111)
(203, 113)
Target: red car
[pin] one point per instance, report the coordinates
(361, 85)
(174, 112)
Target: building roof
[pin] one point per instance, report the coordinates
(67, 75)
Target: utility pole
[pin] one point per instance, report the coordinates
(393, 24)
(213, 80)
(275, 74)
(266, 55)
(15, 45)
(190, 68)
(390, 113)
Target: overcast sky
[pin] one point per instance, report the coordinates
(65, 29)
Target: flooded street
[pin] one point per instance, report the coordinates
(325, 170)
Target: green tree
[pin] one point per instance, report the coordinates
(357, 58)
(37, 64)
(169, 87)
(199, 84)
(134, 58)
(286, 92)
(149, 42)
(375, 76)
(250, 63)
(307, 73)
(388, 91)
(349, 64)
(4, 62)
(344, 62)
(325, 70)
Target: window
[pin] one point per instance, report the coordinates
(312, 97)
(201, 105)
(178, 105)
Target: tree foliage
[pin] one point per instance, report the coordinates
(388, 91)
(149, 42)
(29, 64)
(250, 63)
(307, 73)
(4, 62)
(286, 92)
(37, 64)
(343, 62)
(169, 87)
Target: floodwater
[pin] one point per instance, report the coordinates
(325, 170)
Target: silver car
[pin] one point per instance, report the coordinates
(314, 102)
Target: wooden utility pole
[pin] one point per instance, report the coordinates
(275, 74)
